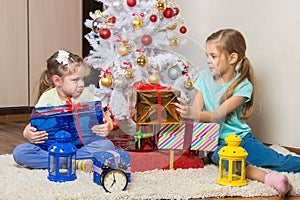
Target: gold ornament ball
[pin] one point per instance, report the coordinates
(122, 50)
(161, 5)
(129, 73)
(129, 46)
(172, 27)
(189, 84)
(154, 79)
(106, 81)
(137, 22)
(174, 41)
(142, 61)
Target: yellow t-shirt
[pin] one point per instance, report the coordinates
(51, 98)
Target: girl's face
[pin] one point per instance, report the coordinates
(72, 85)
(217, 61)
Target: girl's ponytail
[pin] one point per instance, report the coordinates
(45, 83)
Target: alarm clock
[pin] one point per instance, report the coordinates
(114, 180)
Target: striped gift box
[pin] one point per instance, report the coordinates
(205, 136)
(171, 136)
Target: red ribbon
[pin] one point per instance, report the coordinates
(139, 51)
(106, 72)
(141, 14)
(128, 64)
(145, 86)
(121, 40)
(75, 109)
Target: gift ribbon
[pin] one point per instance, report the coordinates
(139, 135)
(75, 106)
(171, 165)
(145, 86)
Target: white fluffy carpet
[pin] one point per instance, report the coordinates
(21, 183)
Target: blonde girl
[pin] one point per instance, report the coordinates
(226, 95)
(62, 79)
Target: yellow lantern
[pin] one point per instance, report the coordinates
(235, 157)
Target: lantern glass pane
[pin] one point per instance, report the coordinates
(73, 163)
(52, 170)
(64, 166)
(238, 171)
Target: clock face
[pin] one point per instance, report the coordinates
(114, 181)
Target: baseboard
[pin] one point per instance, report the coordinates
(295, 150)
(15, 110)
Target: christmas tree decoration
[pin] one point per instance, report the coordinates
(172, 27)
(168, 13)
(137, 22)
(142, 60)
(111, 20)
(104, 33)
(146, 39)
(154, 79)
(123, 50)
(106, 81)
(174, 41)
(117, 4)
(161, 5)
(97, 24)
(189, 84)
(129, 46)
(176, 10)
(131, 3)
(153, 18)
(129, 73)
(121, 83)
(183, 29)
(174, 72)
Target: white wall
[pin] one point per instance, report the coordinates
(272, 32)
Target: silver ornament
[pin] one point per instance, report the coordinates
(174, 72)
(121, 83)
(117, 4)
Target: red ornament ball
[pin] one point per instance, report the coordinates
(176, 11)
(131, 3)
(115, 124)
(183, 29)
(112, 20)
(105, 33)
(153, 18)
(168, 13)
(146, 39)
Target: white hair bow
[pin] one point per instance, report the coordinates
(63, 57)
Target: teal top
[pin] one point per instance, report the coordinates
(212, 93)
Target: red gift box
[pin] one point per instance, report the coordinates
(164, 159)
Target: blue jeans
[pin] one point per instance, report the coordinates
(261, 155)
(31, 155)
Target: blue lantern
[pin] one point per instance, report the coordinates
(62, 158)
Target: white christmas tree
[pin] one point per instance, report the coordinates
(138, 41)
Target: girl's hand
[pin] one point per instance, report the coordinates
(182, 108)
(103, 129)
(34, 136)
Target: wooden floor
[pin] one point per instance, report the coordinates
(11, 128)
